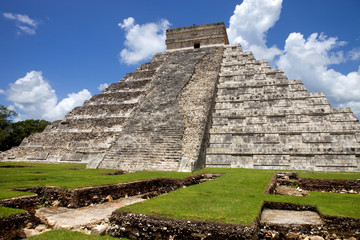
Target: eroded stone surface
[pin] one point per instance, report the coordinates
(263, 120)
(287, 217)
(65, 218)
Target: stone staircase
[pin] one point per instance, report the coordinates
(263, 120)
(88, 131)
(153, 138)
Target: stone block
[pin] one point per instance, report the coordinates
(316, 138)
(76, 157)
(38, 156)
(272, 160)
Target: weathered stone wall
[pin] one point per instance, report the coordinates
(263, 120)
(203, 35)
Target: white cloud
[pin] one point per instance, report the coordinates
(354, 54)
(250, 23)
(24, 23)
(309, 60)
(102, 86)
(33, 96)
(142, 41)
(67, 104)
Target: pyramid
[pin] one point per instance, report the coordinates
(201, 103)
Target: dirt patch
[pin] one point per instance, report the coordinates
(115, 173)
(74, 168)
(14, 166)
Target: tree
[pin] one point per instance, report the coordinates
(23, 129)
(11, 134)
(5, 124)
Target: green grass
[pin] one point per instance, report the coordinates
(5, 212)
(66, 234)
(60, 175)
(37, 174)
(237, 197)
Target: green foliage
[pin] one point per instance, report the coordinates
(11, 134)
(23, 129)
(5, 123)
(66, 234)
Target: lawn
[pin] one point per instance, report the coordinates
(66, 234)
(236, 197)
(62, 175)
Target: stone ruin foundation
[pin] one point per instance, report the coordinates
(86, 196)
(140, 226)
(201, 103)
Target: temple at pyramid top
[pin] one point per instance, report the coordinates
(196, 36)
(201, 103)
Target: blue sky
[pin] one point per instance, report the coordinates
(56, 54)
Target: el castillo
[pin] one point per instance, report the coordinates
(203, 104)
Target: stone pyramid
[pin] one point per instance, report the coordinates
(201, 103)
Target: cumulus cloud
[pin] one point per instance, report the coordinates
(33, 96)
(23, 22)
(102, 86)
(354, 54)
(142, 41)
(308, 59)
(250, 23)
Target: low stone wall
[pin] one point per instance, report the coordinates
(80, 197)
(332, 228)
(140, 226)
(10, 226)
(330, 185)
(311, 184)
